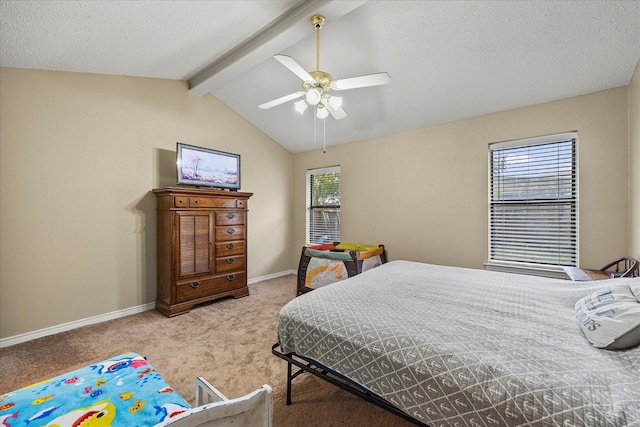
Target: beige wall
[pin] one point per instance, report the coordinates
(634, 164)
(79, 154)
(423, 193)
(77, 220)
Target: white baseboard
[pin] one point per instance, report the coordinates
(271, 276)
(17, 339)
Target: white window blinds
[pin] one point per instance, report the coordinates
(323, 205)
(533, 206)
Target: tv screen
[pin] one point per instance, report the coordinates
(204, 167)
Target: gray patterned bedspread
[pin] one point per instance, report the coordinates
(466, 347)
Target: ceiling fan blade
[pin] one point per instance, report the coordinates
(362, 81)
(292, 65)
(281, 100)
(337, 114)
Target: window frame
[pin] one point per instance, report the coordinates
(308, 200)
(540, 269)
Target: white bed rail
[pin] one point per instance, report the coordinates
(214, 409)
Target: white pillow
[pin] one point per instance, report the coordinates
(610, 318)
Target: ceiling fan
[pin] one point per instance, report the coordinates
(318, 84)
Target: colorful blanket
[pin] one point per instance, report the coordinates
(123, 391)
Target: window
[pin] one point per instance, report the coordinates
(323, 205)
(532, 202)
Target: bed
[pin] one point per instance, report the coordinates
(447, 346)
(125, 391)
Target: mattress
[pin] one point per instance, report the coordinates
(465, 347)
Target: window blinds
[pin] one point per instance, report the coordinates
(323, 205)
(533, 217)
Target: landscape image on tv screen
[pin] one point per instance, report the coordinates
(205, 167)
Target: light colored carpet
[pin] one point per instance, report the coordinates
(228, 342)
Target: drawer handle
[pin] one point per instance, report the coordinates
(230, 245)
(231, 230)
(231, 260)
(231, 277)
(231, 216)
(195, 285)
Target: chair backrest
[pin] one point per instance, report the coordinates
(254, 409)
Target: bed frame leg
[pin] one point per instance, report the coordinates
(289, 378)
(335, 379)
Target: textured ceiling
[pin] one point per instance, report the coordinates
(448, 59)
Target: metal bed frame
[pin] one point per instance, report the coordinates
(320, 371)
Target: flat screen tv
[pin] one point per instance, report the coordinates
(205, 167)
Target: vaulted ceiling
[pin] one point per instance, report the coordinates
(447, 60)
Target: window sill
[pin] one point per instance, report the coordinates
(551, 271)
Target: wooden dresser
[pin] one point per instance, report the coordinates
(202, 252)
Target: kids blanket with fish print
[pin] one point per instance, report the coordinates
(122, 391)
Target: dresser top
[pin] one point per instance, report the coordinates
(198, 191)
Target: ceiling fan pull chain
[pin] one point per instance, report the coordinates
(324, 136)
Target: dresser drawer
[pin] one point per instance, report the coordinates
(211, 202)
(230, 248)
(181, 202)
(229, 218)
(208, 202)
(228, 264)
(229, 232)
(203, 288)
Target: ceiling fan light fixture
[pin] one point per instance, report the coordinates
(335, 102)
(300, 106)
(313, 96)
(322, 112)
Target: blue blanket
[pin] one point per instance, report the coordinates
(122, 391)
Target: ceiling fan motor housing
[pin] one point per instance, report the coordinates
(322, 80)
